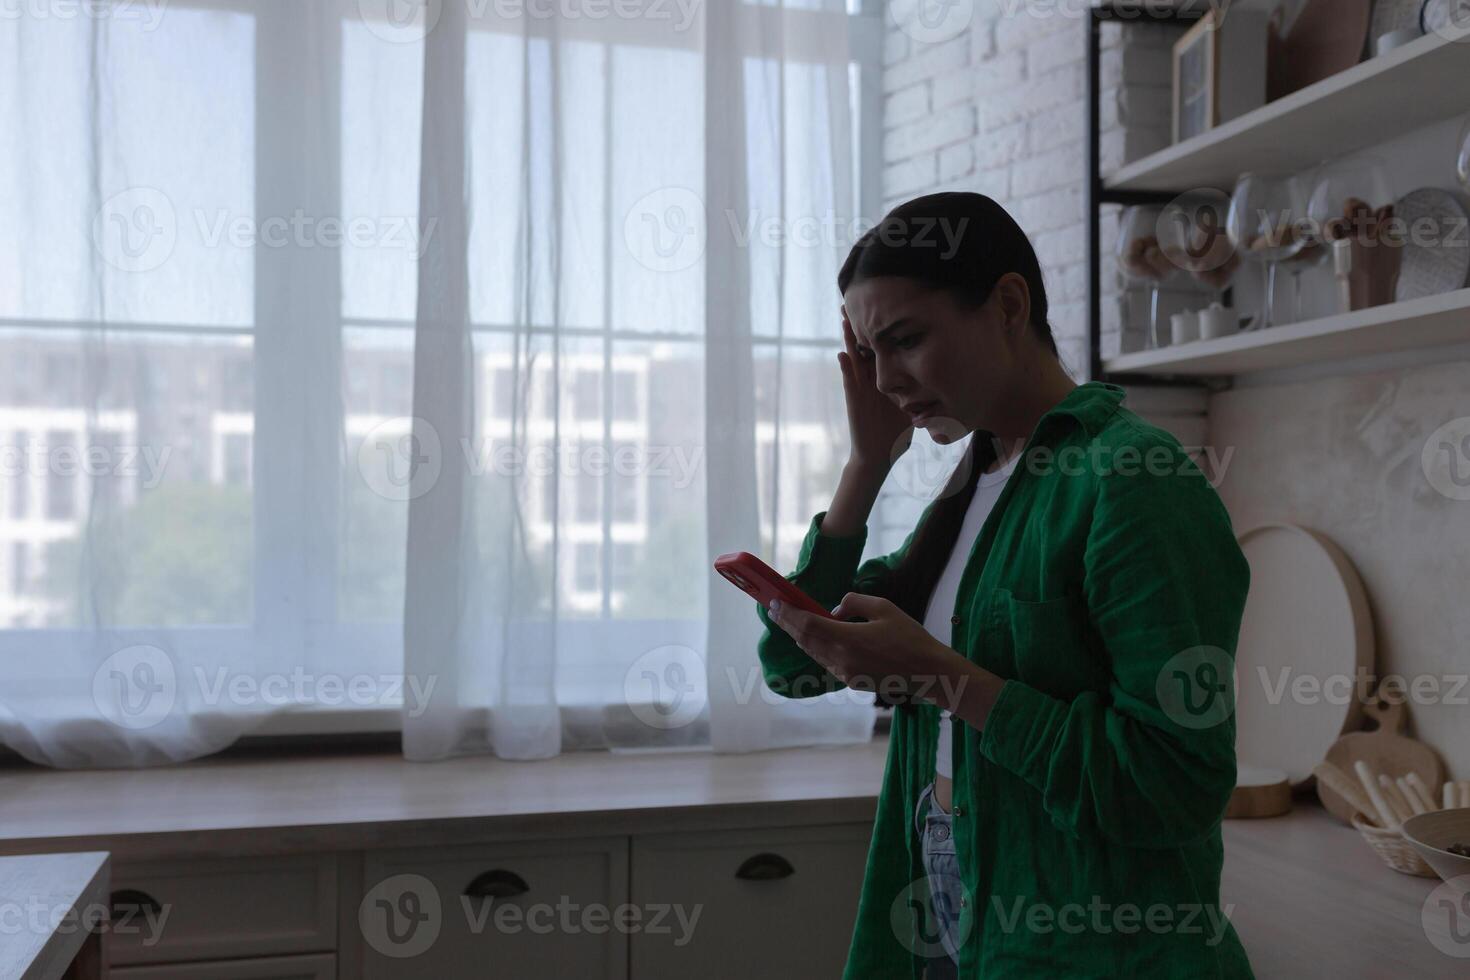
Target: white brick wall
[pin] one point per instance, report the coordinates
(996, 106)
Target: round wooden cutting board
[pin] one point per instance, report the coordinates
(1305, 640)
(1386, 749)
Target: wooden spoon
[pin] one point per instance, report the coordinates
(1386, 750)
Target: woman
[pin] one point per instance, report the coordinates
(1057, 634)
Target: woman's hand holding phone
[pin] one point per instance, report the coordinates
(891, 653)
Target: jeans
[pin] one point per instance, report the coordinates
(942, 870)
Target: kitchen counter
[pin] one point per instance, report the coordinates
(1308, 894)
(50, 905)
(1312, 898)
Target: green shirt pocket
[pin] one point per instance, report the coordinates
(1050, 646)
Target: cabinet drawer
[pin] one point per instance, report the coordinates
(495, 911)
(321, 966)
(225, 908)
(771, 903)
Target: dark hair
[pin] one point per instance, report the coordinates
(960, 243)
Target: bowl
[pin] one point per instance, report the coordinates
(1431, 833)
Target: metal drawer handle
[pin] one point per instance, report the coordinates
(497, 883)
(765, 867)
(132, 900)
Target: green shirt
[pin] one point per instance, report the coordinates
(1106, 586)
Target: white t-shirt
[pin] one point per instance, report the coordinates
(947, 589)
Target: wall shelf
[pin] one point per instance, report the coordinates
(1427, 322)
(1412, 86)
(1379, 99)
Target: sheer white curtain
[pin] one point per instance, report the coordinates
(372, 363)
(628, 317)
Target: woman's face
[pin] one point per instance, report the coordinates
(930, 352)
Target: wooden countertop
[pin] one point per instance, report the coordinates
(1313, 899)
(1309, 895)
(47, 898)
(350, 801)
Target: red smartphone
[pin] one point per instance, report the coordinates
(764, 583)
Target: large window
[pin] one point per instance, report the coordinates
(192, 432)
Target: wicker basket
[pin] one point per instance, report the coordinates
(1396, 852)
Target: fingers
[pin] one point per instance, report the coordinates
(809, 631)
(868, 607)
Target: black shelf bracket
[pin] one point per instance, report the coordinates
(1132, 12)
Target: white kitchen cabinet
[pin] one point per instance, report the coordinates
(528, 909)
(766, 902)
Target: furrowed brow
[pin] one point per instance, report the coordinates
(900, 322)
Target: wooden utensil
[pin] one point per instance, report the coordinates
(1385, 749)
(1345, 785)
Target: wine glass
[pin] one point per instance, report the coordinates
(1141, 259)
(1462, 162)
(1349, 194)
(1193, 236)
(1268, 224)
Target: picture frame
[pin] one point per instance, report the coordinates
(1197, 78)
